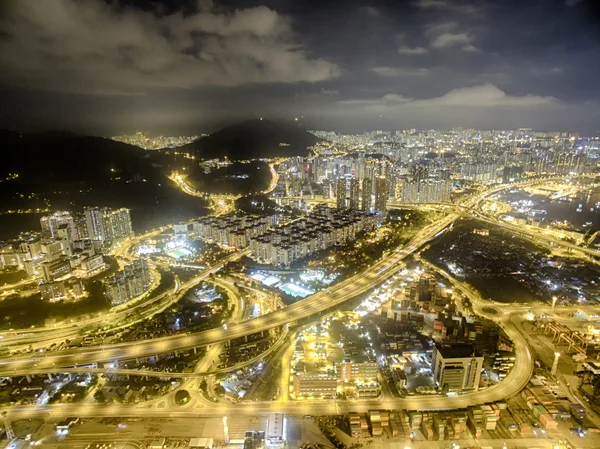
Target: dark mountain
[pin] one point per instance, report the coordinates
(64, 171)
(61, 157)
(254, 139)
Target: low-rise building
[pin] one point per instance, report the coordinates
(275, 431)
(61, 290)
(55, 269)
(93, 263)
(316, 386)
(361, 371)
(180, 229)
(399, 378)
(456, 367)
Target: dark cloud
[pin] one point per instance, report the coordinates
(399, 71)
(405, 50)
(91, 47)
(109, 66)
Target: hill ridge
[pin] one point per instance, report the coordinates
(254, 139)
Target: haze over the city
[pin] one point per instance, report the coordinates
(299, 224)
(189, 67)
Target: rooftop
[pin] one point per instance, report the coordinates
(457, 351)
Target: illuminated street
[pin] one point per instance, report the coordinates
(292, 225)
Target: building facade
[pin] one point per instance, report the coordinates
(133, 281)
(456, 368)
(380, 194)
(108, 226)
(316, 386)
(357, 371)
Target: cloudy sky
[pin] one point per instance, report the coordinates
(167, 66)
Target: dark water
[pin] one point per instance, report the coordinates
(583, 208)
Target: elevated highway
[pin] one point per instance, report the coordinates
(315, 304)
(312, 305)
(516, 380)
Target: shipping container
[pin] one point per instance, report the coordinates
(539, 410)
(547, 421)
(525, 429)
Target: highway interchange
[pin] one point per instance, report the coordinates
(320, 302)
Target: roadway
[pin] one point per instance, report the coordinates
(149, 307)
(540, 236)
(119, 252)
(187, 188)
(312, 305)
(319, 302)
(516, 380)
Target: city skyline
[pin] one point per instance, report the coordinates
(303, 224)
(361, 268)
(411, 64)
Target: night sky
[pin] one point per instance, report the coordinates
(186, 67)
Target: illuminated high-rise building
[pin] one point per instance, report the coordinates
(51, 223)
(133, 281)
(354, 194)
(380, 194)
(117, 224)
(95, 224)
(340, 193)
(367, 194)
(108, 226)
(428, 191)
(64, 234)
(419, 173)
(81, 229)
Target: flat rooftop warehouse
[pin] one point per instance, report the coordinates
(201, 443)
(275, 427)
(157, 444)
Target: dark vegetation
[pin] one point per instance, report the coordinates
(11, 276)
(182, 397)
(254, 139)
(256, 205)
(67, 158)
(186, 315)
(236, 178)
(18, 312)
(504, 267)
(65, 171)
(348, 259)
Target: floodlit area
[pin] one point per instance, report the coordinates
(178, 253)
(414, 264)
(296, 290)
(299, 285)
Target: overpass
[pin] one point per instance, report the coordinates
(312, 305)
(159, 374)
(545, 238)
(516, 380)
(315, 304)
(71, 329)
